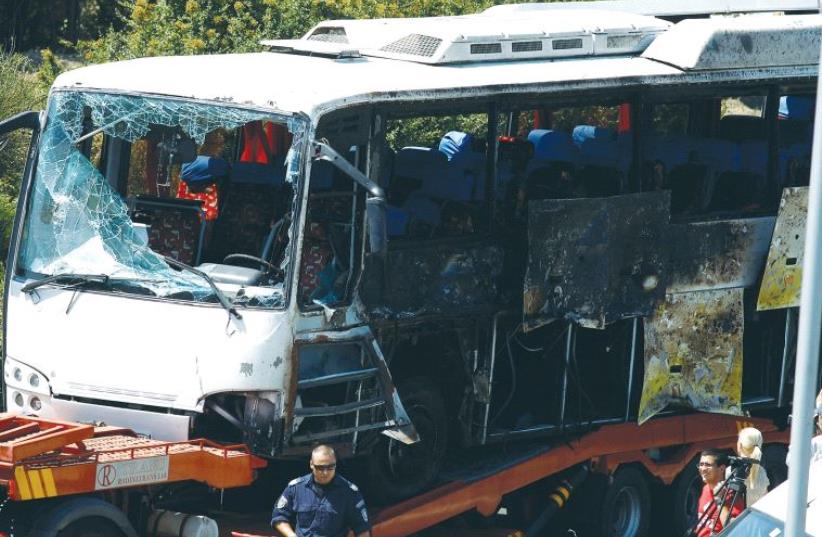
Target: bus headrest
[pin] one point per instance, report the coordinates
(553, 145)
(419, 162)
(739, 128)
(585, 133)
(793, 107)
(455, 143)
(322, 175)
(204, 170)
(253, 173)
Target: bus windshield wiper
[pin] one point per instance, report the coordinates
(221, 298)
(66, 280)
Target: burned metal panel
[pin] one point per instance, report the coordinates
(438, 276)
(782, 280)
(718, 255)
(693, 353)
(596, 261)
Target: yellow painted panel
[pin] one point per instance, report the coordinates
(782, 279)
(36, 484)
(693, 353)
(48, 481)
(22, 483)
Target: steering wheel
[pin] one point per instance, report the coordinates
(272, 269)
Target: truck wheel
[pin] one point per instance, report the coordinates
(91, 527)
(685, 497)
(773, 459)
(397, 470)
(626, 507)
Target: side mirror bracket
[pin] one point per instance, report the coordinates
(375, 205)
(23, 120)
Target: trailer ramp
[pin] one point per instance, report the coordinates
(42, 458)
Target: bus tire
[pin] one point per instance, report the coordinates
(685, 493)
(396, 470)
(626, 507)
(773, 459)
(82, 517)
(91, 527)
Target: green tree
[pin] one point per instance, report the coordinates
(174, 27)
(20, 90)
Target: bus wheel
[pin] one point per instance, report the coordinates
(773, 459)
(685, 497)
(626, 507)
(397, 470)
(91, 527)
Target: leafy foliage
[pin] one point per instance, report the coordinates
(173, 27)
(20, 90)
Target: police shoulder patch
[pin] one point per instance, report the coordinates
(353, 487)
(282, 502)
(294, 481)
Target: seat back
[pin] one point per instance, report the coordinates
(250, 206)
(176, 227)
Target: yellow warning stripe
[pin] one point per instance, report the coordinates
(35, 484)
(48, 480)
(22, 483)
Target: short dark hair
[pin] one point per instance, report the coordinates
(720, 456)
(324, 448)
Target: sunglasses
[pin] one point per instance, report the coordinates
(324, 467)
(705, 465)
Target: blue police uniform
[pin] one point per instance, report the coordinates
(322, 511)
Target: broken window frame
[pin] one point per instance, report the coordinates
(699, 100)
(165, 283)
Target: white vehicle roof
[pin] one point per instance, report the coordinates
(775, 503)
(666, 8)
(315, 84)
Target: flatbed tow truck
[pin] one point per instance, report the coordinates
(102, 323)
(79, 476)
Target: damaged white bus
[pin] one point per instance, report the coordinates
(525, 222)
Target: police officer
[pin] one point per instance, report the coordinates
(321, 504)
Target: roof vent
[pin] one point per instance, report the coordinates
(329, 34)
(526, 46)
(486, 48)
(566, 44)
(543, 35)
(623, 41)
(414, 45)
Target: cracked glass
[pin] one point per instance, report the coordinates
(80, 221)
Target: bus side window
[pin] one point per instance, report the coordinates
(437, 186)
(795, 136)
(332, 237)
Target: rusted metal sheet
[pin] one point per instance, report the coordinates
(693, 353)
(782, 281)
(596, 261)
(718, 255)
(437, 277)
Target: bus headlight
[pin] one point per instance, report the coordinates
(35, 403)
(18, 399)
(18, 374)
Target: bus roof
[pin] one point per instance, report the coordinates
(668, 9)
(315, 84)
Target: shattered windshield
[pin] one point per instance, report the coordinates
(124, 182)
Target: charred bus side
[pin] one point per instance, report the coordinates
(460, 242)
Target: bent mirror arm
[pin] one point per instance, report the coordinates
(375, 204)
(23, 120)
